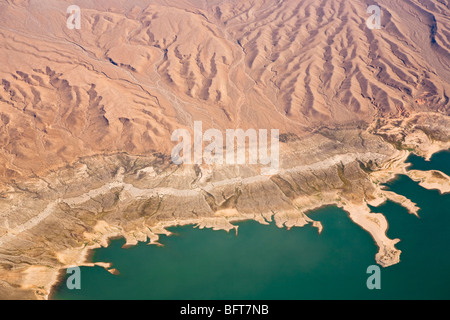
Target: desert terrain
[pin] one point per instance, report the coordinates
(86, 118)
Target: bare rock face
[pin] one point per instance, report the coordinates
(86, 118)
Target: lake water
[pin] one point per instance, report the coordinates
(265, 262)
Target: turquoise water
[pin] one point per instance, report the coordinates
(439, 161)
(265, 262)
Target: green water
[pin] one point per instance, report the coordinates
(439, 161)
(265, 262)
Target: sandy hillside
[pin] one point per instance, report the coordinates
(135, 72)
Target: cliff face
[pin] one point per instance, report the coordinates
(86, 118)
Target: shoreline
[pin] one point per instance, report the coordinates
(88, 252)
(392, 168)
(87, 259)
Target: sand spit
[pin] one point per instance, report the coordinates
(431, 180)
(376, 224)
(403, 201)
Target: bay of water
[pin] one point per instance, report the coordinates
(265, 262)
